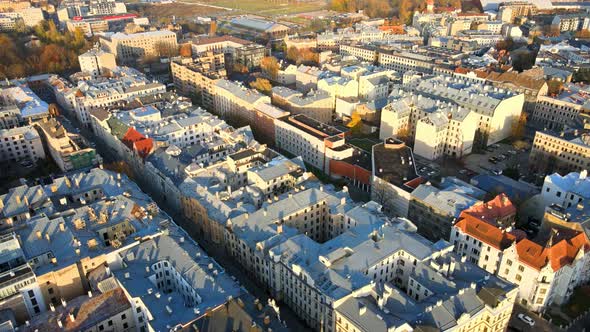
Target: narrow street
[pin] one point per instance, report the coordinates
(218, 253)
(541, 325)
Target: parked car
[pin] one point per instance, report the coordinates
(528, 320)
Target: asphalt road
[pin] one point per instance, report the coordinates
(541, 325)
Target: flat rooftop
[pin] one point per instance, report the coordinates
(393, 162)
(313, 127)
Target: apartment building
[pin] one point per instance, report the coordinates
(21, 143)
(22, 202)
(508, 11)
(30, 107)
(376, 84)
(483, 38)
(121, 87)
(10, 116)
(128, 48)
(557, 112)
(530, 82)
(565, 191)
(307, 77)
(28, 16)
(69, 150)
(363, 82)
(97, 62)
(567, 151)
(497, 211)
(386, 309)
(405, 61)
(236, 50)
(169, 280)
(92, 267)
(318, 105)
(435, 210)
(437, 128)
(93, 312)
(98, 219)
(16, 275)
(316, 142)
(497, 110)
(317, 293)
(362, 52)
(233, 101)
(241, 190)
(447, 132)
(547, 269)
(198, 76)
(263, 120)
(71, 8)
(339, 87)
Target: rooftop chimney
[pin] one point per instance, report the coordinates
(362, 310)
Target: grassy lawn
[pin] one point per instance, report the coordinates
(159, 11)
(363, 143)
(264, 7)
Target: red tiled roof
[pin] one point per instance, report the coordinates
(558, 255)
(144, 147)
(136, 141)
(132, 135)
(485, 232)
(499, 207)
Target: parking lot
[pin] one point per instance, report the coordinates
(497, 158)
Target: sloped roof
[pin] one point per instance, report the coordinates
(144, 147)
(499, 207)
(485, 232)
(558, 255)
(136, 141)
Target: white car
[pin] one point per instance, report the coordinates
(526, 319)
